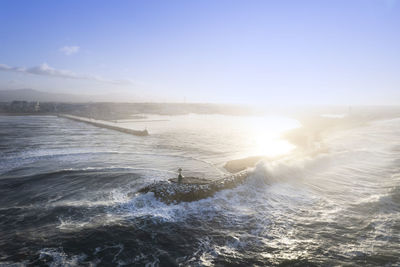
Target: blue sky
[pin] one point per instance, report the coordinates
(253, 52)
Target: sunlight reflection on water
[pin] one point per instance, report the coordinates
(238, 135)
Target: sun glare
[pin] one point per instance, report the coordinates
(265, 135)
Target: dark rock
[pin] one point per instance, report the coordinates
(192, 188)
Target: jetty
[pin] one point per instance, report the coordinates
(192, 188)
(104, 124)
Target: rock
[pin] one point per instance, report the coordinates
(237, 165)
(192, 188)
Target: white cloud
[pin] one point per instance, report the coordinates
(45, 70)
(69, 50)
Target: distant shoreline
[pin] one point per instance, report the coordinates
(26, 114)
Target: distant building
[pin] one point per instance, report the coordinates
(37, 107)
(19, 106)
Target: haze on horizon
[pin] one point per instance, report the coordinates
(249, 52)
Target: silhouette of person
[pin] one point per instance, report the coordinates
(180, 177)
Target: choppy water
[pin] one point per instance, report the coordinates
(68, 196)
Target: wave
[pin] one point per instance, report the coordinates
(336, 206)
(14, 163)
(322, 178)
(57, 257)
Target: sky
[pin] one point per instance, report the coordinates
(338, 52)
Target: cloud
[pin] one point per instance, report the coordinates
(45, 70)
(69, 50)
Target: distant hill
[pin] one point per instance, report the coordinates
(34, 95)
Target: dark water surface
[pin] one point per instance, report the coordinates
(68, 196)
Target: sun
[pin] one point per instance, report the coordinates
(265, 135)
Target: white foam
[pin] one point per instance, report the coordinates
(60, 258)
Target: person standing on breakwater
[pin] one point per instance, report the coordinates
(180, 177)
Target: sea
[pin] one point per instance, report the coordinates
(69, 193)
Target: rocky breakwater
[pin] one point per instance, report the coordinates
(105, 124)
(192, 188)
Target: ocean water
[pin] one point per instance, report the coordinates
(69, 194)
